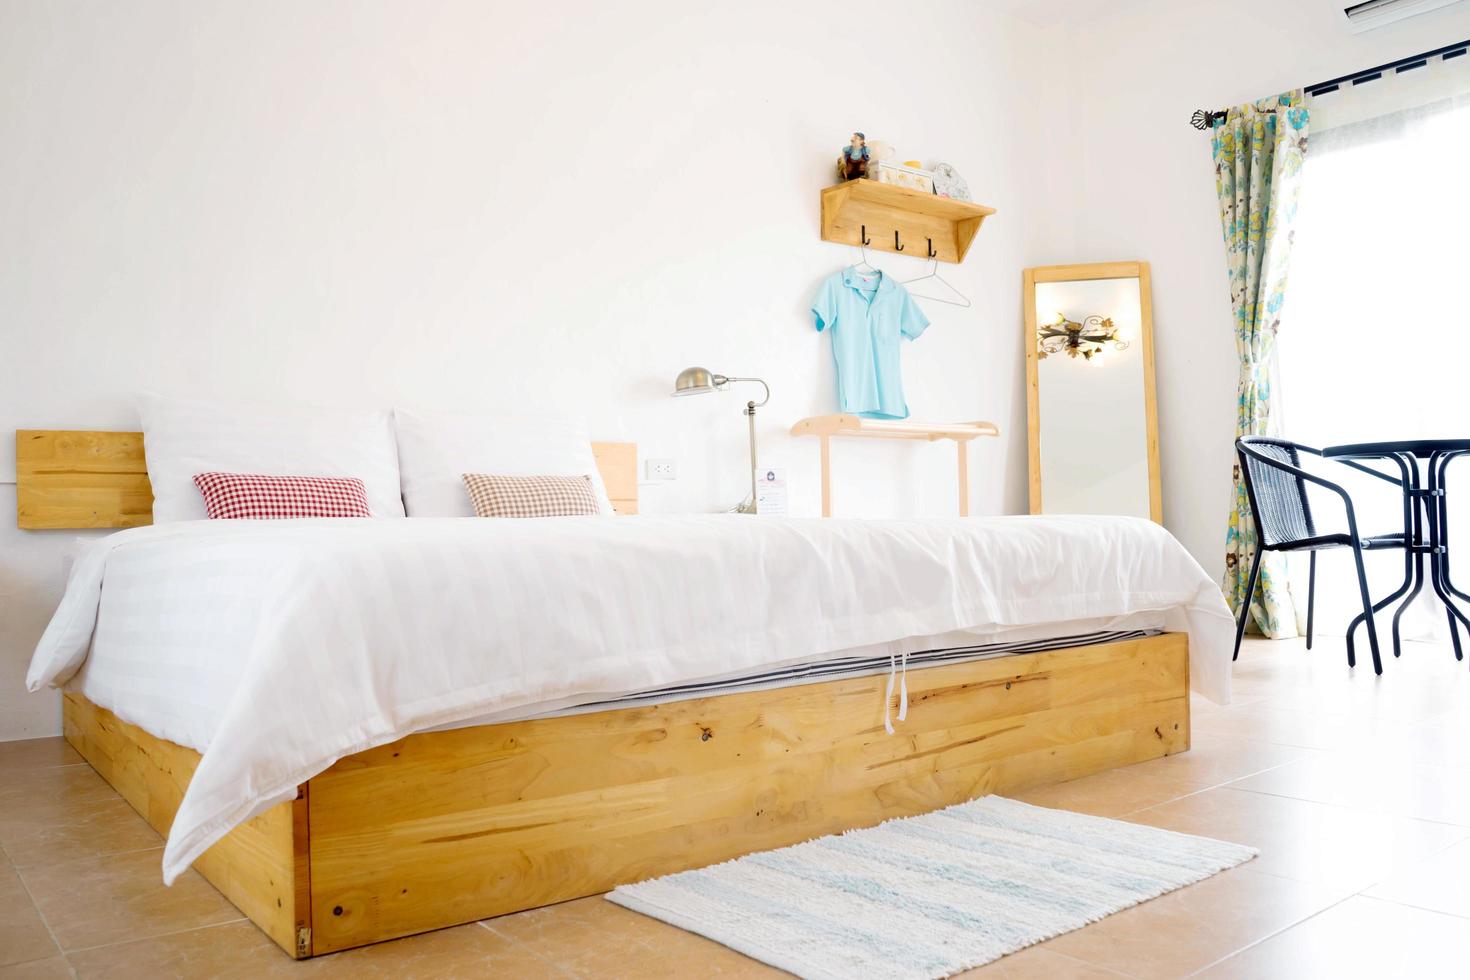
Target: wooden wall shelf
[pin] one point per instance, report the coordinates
(917, 217)
(825, 427)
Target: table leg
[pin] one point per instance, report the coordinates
(1416, 563)
(1444, 522)
(1416, 541)
(1413, 562)
(1413, 533)
(964, 458)
(1438, 553)
(1441, 504)
(826, 476)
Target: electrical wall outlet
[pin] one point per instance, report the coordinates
(661, 469)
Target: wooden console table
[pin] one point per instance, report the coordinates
(825, 427)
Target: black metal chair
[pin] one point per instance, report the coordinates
(1276, 486)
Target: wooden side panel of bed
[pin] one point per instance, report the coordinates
(441, 828)
(76, 479)
(262, 866)
(454, 826)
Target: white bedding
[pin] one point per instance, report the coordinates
(277, 647)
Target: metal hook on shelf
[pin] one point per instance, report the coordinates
(864, 236)
(896, 246)
(932, 253)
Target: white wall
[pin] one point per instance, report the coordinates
(1145, 190)
(495, 205)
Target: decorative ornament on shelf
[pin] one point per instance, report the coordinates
(949, 184)
(853, 163)
(1088, 338)
(907, 174)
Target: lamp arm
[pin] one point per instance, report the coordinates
(759, 382)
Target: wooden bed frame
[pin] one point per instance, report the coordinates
(446, 827)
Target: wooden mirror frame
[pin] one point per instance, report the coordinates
(1072, 273)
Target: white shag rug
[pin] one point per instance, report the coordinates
(929, 896)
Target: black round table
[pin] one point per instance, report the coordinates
(1421, 448)
(1426, 520)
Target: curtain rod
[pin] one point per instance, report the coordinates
(1203, 119)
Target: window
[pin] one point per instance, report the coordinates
(1375, 336)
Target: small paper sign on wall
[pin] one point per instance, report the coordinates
(770, 492)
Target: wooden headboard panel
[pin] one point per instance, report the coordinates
(68, 479)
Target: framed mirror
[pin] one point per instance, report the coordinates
(1092, 419)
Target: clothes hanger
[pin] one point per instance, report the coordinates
(963, 301)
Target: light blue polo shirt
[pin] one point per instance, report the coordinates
(867, 313)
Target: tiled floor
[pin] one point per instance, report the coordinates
(1356, 789)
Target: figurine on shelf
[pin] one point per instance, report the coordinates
(949, 184)
(853, 163)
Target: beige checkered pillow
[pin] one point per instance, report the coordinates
(531, 496)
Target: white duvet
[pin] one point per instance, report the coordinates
(305, 641)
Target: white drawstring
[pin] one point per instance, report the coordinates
(903, 692)
(888, 696)
(903, 688)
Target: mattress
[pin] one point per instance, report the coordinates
(277, 647)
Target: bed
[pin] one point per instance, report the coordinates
(601, 768)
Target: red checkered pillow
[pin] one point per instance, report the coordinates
(531, 496)
(249, 495)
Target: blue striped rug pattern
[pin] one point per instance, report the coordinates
(928, 896)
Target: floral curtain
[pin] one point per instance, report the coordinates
(1258, 150)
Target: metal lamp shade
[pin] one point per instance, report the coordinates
(696, 381)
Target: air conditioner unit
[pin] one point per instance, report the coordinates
(1372, 14)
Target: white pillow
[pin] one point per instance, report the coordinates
(182, 438)
(436, 449)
